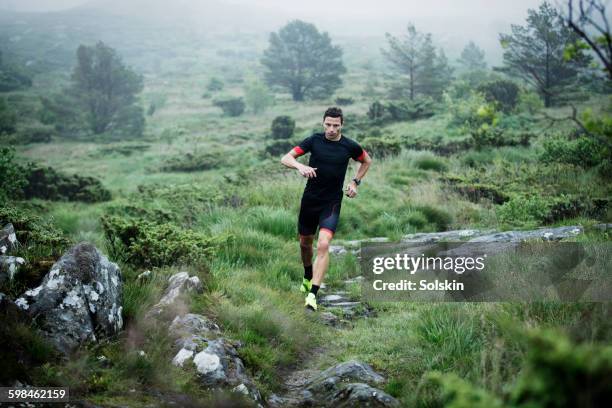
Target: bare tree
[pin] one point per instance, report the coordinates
(588, 19)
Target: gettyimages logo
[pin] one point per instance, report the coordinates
(486, 272)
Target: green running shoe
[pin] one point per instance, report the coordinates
(306, 285)
(311, 301)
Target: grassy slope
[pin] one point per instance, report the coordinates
(251, 283)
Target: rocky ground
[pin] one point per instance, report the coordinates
(79, 301)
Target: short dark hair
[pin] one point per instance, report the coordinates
(334, 112)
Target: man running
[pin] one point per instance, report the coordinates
(320, 207)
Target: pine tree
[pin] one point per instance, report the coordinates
(426, 70)
(535, 53)
(304, 61)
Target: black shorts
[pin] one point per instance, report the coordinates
(313, 213)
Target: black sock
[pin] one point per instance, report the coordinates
(314, 289)
(308, 272)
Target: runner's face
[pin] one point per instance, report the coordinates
(332, 126)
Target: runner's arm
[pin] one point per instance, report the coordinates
(365, 161)
(289, 160)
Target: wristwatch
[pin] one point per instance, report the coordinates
(357, 181)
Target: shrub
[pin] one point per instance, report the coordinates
(583, 151)
(381, 147)
(121, 149)
(502, 92)
(283, 127)
(34, 232)
(232, 106)
(8, 118)
(430, 163)
(278, 147)
(151, 109)
(189, 162)
(537, 209)
(145, 244)
(556, 373)
(419, 108)
(523, 210)
(41, 243)
(35, 134)
(440, 218)
(476, 192)
(529, 102)
(13, 76)
(158, 101)
(344, 101)
(440, 146)
(376, 111)
(49, 184)
(214, 84)
(560, 374)
(12, 180)
(258, 96)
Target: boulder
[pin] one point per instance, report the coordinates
(8, 239)
(344, 372)
(215, 359)
(361, 395)
(348, 384)
(192, 331)
(179, 285)
(9, 266)
(78, 300)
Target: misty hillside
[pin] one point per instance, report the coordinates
(201, 15)
(155, 157)
(50, 39)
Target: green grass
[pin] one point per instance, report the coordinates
(252, 280)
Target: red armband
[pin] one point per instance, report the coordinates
(298, 150)
(362, 156)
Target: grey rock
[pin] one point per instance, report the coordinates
(329, 319)
(337, 250)
(215, 359)
(8, 239)
(348, 384)
(9, 266)
(179, 285)
(470, 235)
(361, 395)
(78, 300)
(455, 235)
(344, 372)
(356, 279)
(333, 298)
(193, 330)
(275, 401)
(146, 275)
(219, 365)
(546, 234)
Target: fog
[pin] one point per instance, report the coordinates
(452, 23)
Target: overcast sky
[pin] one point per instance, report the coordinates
(452, 22)
(348, 8)
(484, 9)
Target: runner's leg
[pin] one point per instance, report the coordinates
(322, 261)
(307, 226)
(328, 221)
(306, 249)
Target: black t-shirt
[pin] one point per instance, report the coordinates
(331, 161)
